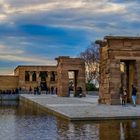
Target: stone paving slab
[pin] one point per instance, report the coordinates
(86, 108)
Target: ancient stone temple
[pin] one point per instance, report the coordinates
(70, 72)
(33, 76)
(119, 67)
(67, 75)
(26, 77)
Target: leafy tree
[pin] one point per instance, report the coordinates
(91, 58)
(91, 87)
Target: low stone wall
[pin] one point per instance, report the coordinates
(39, 107)
(8, 82)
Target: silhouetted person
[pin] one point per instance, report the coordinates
(46, 90)
(17, 92)
(30, 90)
(52, 90)
(37, 90)
(134, 95)
(56, 90)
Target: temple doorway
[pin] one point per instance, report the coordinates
(127, 68)
(43, 83)
(72, 75)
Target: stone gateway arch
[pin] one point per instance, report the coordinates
(119, 67)
(65, 67)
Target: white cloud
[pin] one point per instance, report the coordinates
(80, 14)
(4, 50)
(18, 55)
(2, 17)
(112, 7)
(47, 6)
(6, 71)
(30, 59)
(79, 7)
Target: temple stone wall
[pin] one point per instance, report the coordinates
(8, 82)
(66, 64)
(114, 81)
(20, 71)
(138, 81)
(113, 51)
(104, 96)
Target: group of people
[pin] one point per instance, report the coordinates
(37, 90)
(8, 92)
(79, 92)
(124, 95)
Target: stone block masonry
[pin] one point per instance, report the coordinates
(119, 67)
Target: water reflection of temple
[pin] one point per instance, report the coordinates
(90, 130)
(119, 130)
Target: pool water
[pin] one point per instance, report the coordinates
(27, 123)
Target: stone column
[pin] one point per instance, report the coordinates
(49, 79)
(30, 76)
(63, 83)
(138, 80)
(81, 79)
(55, 76)
(37, 77)
(114, 82)
(104, 76)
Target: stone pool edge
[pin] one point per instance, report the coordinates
(52, 111)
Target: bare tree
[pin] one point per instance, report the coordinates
(91, 58)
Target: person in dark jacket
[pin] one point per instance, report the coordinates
(134, 95)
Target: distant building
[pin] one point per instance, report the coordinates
(27, 77)
(68, 72)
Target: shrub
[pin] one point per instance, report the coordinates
(91, 87)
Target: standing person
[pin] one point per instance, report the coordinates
(34, 90)
(134, 95)
(30, 90)
(124, 96)
(52, 90)
(56, 90)
(80, 92)
(121, 95)
(37, 90)
(17, 91)
(46, 89)
(69, 92)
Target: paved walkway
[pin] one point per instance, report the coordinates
(86, 108)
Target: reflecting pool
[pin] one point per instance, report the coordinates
(27, 123)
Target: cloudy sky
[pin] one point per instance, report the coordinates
(36, 31)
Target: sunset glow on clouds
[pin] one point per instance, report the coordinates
(34, 32)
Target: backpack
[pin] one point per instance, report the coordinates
(135, 90)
